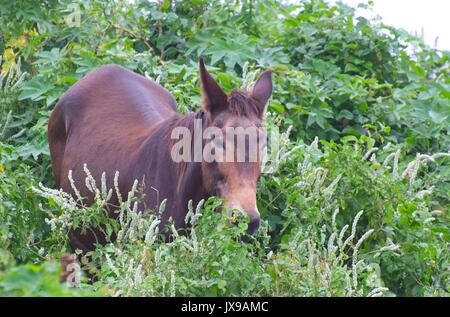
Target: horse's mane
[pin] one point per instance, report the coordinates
(241, 104)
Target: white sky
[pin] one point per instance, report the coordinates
(433, 16)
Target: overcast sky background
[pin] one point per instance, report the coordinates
(433, 16)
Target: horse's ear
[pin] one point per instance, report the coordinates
(214, 98)
(263, 90)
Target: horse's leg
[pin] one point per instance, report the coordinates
(86, 243)
(69, 269)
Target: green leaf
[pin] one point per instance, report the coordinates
(36, 89)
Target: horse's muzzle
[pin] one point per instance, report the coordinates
(253, 225)
(254, 219)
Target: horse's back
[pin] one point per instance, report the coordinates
(103, 119)
(115, 89)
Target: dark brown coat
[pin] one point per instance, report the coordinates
(116, 120)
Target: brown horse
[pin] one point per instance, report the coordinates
(116, 120)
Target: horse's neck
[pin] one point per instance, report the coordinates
(192, 186)
(182, 181)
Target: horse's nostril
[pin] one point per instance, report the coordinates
(253, 225)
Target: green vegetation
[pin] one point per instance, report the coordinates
(359, 205)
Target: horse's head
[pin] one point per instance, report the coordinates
(232, 158)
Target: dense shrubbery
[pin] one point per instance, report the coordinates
(375, 97)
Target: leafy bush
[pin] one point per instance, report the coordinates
(37, 280)
(211, 259)
(399, 200)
